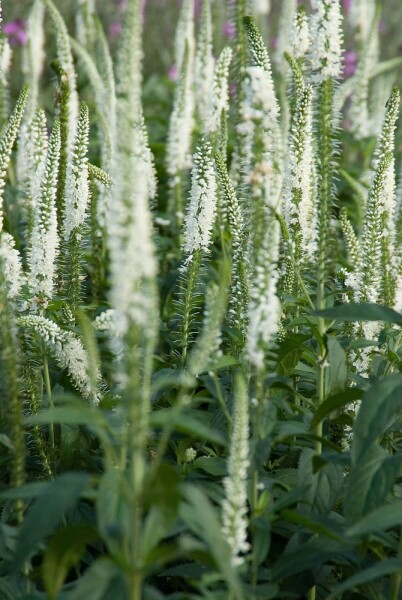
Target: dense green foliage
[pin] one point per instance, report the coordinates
(200, 308)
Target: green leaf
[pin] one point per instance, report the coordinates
(361, 312)
(201, 517)
(380, 404)
(334, 403)
(211, 465)
(380, 519)
(28, 490)
(370, 481)
(95, 582)
(62, 553)
(47, 512)
(187, 423)
(324, 486)
(385, 567)
(337, 374)
(309, 555)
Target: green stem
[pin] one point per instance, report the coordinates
(255, 474)
(397, 577)
(49, 398)
(190, 282)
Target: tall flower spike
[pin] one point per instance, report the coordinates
(12, 267)
(7, 142)
(361, 14)
(129, 62)
(219, 92)
(5, 63)
(35, 160)
(185, 34)
(362, 123)
(326, 32)
(259, 154)
(299, 195)
(32, 66)
(67, 66)
(239, 296)
(300, 37)
(133, 263)
(204, 62)
(284, 41)
(201, 210)
(67, 350)
(234, 505)
(181, 123)
(207, 345)
(261, 7)
(264, 304)
(77, 181)
(44, 241)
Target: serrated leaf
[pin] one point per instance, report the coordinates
(334, 403)
(385, 567)
(380, 519)
(62, 553)
(95, 582)
(370, 480)
(380, 404)
(187, 423)
(337, 374)
(201, 517)
(47, 512)
(361, 312)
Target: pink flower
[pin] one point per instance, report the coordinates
(273, 43)
(114, 30)
(172, 73)
(347, 5)
(229, 30)
(350, 63)
(15, 31)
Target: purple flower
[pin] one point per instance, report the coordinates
(350, 63)
(172, 73)
(16, 33)
(273, 43)
(229, 29)
(114, 30)
(347, 5)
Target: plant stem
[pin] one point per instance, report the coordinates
(190, 282)
(49, 398)
(397, 577)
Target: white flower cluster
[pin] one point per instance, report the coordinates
(184, 41)
(66, 61)
(234, 505)
(34, 53)
(201, 210)
(264, 307)
(300, 37)
(299, 196)
(219, 92)
(12, 267)
(207, 347)
(67, 350)
(262, 7)
(35, 158)
(44, 240)
(178, 156)
(204, 62)
(326, 32)
(7, 142)
(106, 322)
(361, 14)
(259, 128)
(133, 263)
(364, 121)
(77, 191)
(284, 40)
